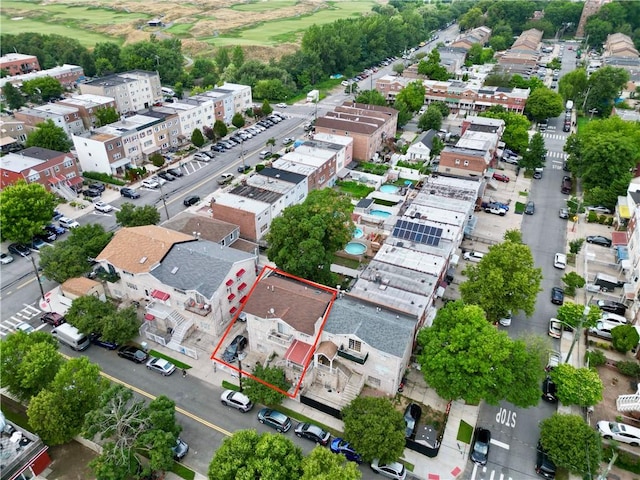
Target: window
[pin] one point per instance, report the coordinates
(68, 163)
(46, 172)
(56, 168)
(373, 381)
(457, 162)
(117, 156)
(132, 286)
(466, 163)
(355, 345)
(282, 328)
(109, 147)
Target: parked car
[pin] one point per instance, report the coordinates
(24, 327)
(47, 236)
(614, 318)
(554, 360)
(603, 329)
(274, 419)
(264, 154)
(218, 147)
(89, 192)
(611, 306)
(53, 319)
(312, 432)
(160, 365)
(515, 160)
(133, 353)
(530, 208)
(191, 200)
(619, 432)
(67, 223)
(19, 249)
(560, 261)
(394, 470)
(412, 415)
(599, 240)
(129, 193)
(555, 328)
(544, 465)
(599, 209)
(473, 256)
(564, 213)
(501, 177)
(103, 207)
(166, 176)
(202, 157)
(287, 141)
(38, 243)
(549, 390)
(180, 449)
(225, 178)
(494, 209)
(244, 168)
(57, 230)
(505, 321)
(281, 105)
(237, 400)
(235, 347)
(176, 172)
(557, 296)
(5, 258)
(338, 445)
(537, 174)
(150, 183)
(480, 449)
(97, 186)
(96, 339)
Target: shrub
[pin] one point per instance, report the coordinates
(103, 177)
(576, 245)
(624, 338)
(630, 369)
(592, 216)
(157, 160)
(595, 358)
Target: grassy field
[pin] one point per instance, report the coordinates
(76, 14)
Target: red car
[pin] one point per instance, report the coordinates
(501, 178)
(53, 318)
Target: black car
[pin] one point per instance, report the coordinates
(480, 449)
(129, 193)
(557, 295)
(411, 416)
(90, 192)
(235, 347)
(97, 186)
(611, 306)
(244, 168)
(96, 339)
(176, 172)
(166, 176)
(544, 465)
(312, 432)
(530, 208)
(51, 228)
(19, 249)
(191, 200)
(599, 240)
(46, 236)
(133, 353)
(218, 148)
(549, 390)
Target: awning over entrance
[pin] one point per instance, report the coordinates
(160, 295)
(328, 349)
(298, 353)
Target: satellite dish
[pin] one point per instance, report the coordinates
(272, 311)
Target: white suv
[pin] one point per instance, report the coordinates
(619, 432)
(560, 261)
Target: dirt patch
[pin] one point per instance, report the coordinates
(71, 462)
(615, 384)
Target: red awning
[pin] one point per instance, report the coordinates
(243, 299)
(75, 180)
(229, 283)
(160, 295)
(233, 310)
(242, 286)
(231, 297)
(241, 272)
(148, 316)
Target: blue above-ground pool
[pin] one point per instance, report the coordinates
(380, 213)
(358, 233)
(355, 248)
(389, 188)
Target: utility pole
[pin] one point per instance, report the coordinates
(35, 269)
(577, 332)
(166, 210)
(240, 373)
(242, 154)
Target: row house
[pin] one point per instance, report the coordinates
(185, 282)
(241, 97)
(523, 56)
(342, 145)
(132, 91)
(68, 76)
(56, 171)
(620, 52)
(194, 112)
(322, 161)
(479, 35)
(18, 64)
(257, 200)
(464, 162)
(13, 134)
(370, 126)
(66, 117)
(87, 106)
(24, 455)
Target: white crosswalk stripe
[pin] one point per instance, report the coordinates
(554, 136)
(8, 325)
(483, 473)
(561, 155)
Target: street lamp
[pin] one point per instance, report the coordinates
(240, 374)
(166, 210)
(35, 269)
(242, 154)
(585, 313)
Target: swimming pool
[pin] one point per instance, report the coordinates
(389, 188)
(355, 248)
(380, 213)
(358, 233)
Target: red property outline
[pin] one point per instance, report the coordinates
(267, 269)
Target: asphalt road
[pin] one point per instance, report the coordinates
(515, 431)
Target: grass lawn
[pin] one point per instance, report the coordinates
(520, 207)
(177, 363)
(582, 122)
(65, 13)
(263, 6)
(355, 189)
(180, 29)
(465, 432)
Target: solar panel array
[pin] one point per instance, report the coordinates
(417, 232)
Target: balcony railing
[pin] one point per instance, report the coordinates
(353, 356)
(202, 309)
(280, 338)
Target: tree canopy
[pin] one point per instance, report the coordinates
(248, 454)
(374, 428)
(544, 103)
(572, 313)
(131, 215)
(504, 280)
(106, 115)
(25, 208)
(516, 127)
(304, 239)
(571, 443)
(261, 393)
(535, 155)
(89, 314)
(322, 464)
(605, 85)
(624, 338)
(412, 95)
(465, 357)
(48, 135)
(371, 97)
(577, 386)
(431, 119)
(42, 89)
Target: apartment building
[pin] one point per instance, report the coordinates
(66, 117)
(228, 99)
(132, 91)
(465, 41)
(87, 106)
(67, 75)
(523, 56)
(620, 52)
(193, 112)
(12, 134)
(18, 64)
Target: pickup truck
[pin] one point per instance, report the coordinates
(496, 210)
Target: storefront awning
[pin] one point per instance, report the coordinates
(160, 295)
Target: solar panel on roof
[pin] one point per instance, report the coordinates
(417, 232)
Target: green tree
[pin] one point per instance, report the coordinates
(371, 97)
(258, 392)
(322, 464)
(107, 55)
(237, 120)
(471, 19)
(535, 155)
(106, 115)
(465, 357)
(412, 95)
(605, 85)
(375, 428)
(87, 313)
(513, 235)
(57, 412)
(42, 89)
(220, 129)
(24, 210)
(13, 96)
(573, 86)
(404, 112)
(271, 142)
(398, 68)
(69, 258)
(572, 313)
(544, 103)
(136, 216)
(48, 135)
(304, 239)
(248, 454)
(431, 119)
(624, 338)
(577, 386)
(516, 129)
(29, 363)
(571, 443)
(197, 138)
(157, 160)
(572, 281)
(442, 107)
(504, 280)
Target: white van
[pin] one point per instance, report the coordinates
(70, 336)
(473, 256)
